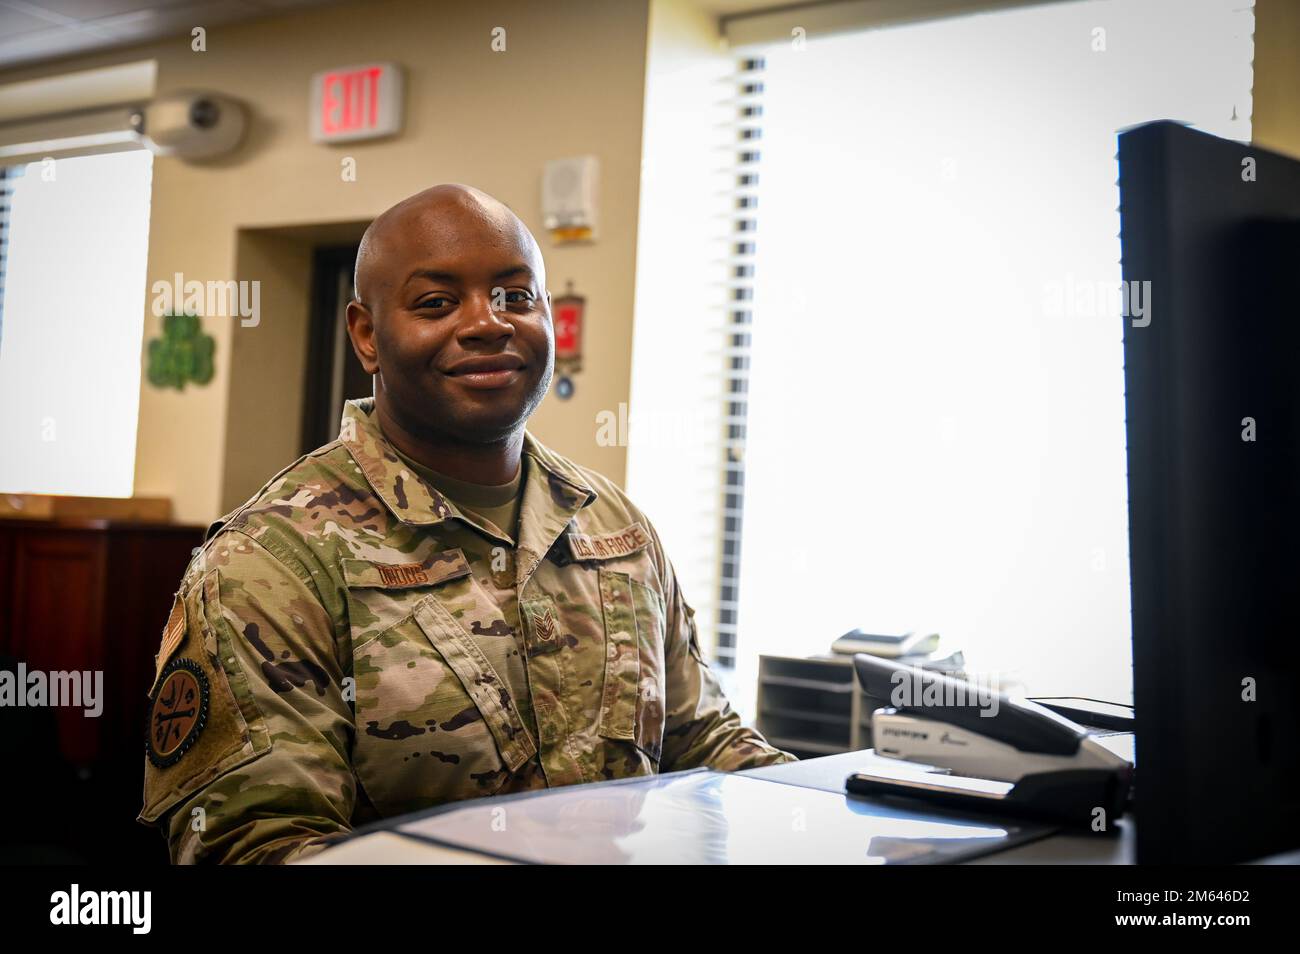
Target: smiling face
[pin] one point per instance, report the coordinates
(453, 317)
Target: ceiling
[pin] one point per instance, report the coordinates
(731, 8)
(34, 30)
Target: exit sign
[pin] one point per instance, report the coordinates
(356, 102)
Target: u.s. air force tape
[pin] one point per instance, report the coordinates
(605, 546)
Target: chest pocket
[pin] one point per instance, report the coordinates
(632, 697)
(435, 721)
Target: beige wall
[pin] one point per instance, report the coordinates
(1275, 115)
(570, 83)
(267, 363)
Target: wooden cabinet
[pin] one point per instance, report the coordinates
(91, 596)
(81, 596)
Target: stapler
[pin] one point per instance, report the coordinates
(1003, 754)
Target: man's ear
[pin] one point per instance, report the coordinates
(361, 330)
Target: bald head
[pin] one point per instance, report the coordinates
(440, 216)
(452, 319)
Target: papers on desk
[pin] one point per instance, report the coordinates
(707, 818)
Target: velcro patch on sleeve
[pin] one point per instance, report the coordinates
(178, 712)
(173, 636)
(609, 546)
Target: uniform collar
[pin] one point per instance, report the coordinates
(554, 485)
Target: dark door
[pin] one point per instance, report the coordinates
(334, 375)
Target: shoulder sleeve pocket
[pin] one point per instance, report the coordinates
(202, 718)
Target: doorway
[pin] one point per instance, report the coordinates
(334, 375)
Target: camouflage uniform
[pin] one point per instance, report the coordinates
(366, 650)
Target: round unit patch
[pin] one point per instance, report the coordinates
(178, 711)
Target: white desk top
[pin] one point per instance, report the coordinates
(713, 817)
(829, 772)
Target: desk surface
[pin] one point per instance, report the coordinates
(827, 774)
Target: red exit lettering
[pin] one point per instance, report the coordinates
(350, 101)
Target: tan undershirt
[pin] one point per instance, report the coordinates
(494, 504)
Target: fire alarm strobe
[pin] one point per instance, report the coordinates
(569, 189)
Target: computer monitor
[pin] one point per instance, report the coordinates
(1212, 384)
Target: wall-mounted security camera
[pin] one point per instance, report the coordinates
(191, 125)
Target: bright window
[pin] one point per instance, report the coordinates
(936, 418)
(70, 330)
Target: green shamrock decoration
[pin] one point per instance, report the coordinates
(183, 353)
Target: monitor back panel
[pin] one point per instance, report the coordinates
(1212, 384)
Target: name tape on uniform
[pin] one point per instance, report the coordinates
(403, 574)
(608, 545)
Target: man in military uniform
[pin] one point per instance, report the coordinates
(434, 606)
